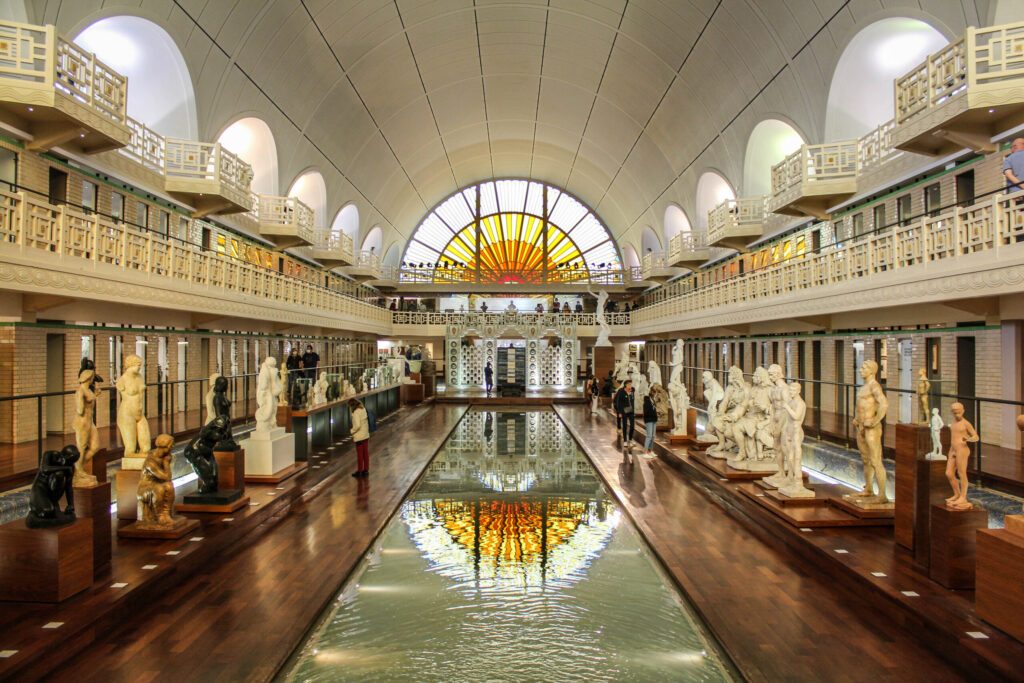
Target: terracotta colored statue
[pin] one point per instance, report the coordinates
(131, 422)
(156, 490)
(923, 387)
(87, 437)
(53, 481)
(961, 433)
(872, 406)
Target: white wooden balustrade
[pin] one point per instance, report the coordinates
(737, 222)
(69, 96)
(903, 253)
(332, 248)
(207, 176)
(688, 249)
(285, 221)
(814, 178)
(963, 94)
(37, 238)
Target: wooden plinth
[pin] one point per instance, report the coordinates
(808, 512)
(94, 503)
(181, 526)
(223, 509)
(127, 487)
(722, 469)
(604, 362)
(701, 445)
(98, 466)
(920, 483)
(411, 393)
(231, 469)
(954, 544)
(769, 487)
(885, 513)
(284, 416)
(999, 583)
(680, 438)
(45, 565)
(277, 477)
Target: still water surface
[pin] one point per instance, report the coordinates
(509, 562)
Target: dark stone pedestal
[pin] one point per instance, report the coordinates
(94, 503)
(227, 500)
(920, 484)
(45, 565)
(953, 545)
(230, 469)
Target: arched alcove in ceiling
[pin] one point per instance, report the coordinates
(770, 142)
(373, 240)
(631, 258)
(675, 222)
(311, 190)
(649, 240)
(393, 256)
(160, 93)
(712, 190)
(252, 140)
(861, 95)
(347, 221)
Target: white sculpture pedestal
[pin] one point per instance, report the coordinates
(270, 456)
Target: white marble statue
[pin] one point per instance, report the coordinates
(680, 402)
(937, 425)
(640, 386)
(753, 430)
(653, 373)
(793, 443)
(778, 394)
(677, 363)
(713, 393)
(211, 412)
(730, 410)
(131, 421)
(268, 386)
(319, 393)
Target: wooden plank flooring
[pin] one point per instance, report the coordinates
(239, 619)
(776, 615)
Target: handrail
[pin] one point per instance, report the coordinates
(287, 212)
(499, 317)
(733, 213)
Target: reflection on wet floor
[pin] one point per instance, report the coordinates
(508, 562)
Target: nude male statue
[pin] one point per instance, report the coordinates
(961, 433)
(871, 408)
(778, 394)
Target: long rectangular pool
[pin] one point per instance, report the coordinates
(509, 561)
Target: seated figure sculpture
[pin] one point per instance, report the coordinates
(730, 410)
(156, 490)
(53, 481)
(199, 453)
(713, 394)
(753, 430)
(222, 408)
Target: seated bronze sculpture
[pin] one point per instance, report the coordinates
(199, 452)
(222, 408)
(156, 490)
(53, 482)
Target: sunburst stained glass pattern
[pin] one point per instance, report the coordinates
(510, 231)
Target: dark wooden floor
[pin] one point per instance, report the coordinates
(778, 617)
(240, 619)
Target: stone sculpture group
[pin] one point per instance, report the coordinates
(758, 426)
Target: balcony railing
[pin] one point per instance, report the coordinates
(684, 242)
(334, 241)
(74, 96)
(34, 226)
(146, 147)
(875, 149)
(816, 164)
(942, 76)
(287, 214)
(428, 274)
(188, 160)
(994, 224)
(743, 217)
(503, 317)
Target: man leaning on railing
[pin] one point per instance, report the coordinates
(1013, 166)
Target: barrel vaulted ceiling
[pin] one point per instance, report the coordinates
(622, 102)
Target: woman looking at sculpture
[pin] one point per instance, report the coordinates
(131, 423)
(650, 426)
(361, 437)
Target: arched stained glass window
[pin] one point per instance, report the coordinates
(509, 231)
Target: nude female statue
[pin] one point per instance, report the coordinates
(961, 433)
(872, 406)
(131, 422)
(87, 437)
(793, 443)
(923, 387)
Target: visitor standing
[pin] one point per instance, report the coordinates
(294, 365)
(488, 377)
(650, 426)
(592, 390)
(310, 359)
(1013, 166)
(361, 437)
(625, 409)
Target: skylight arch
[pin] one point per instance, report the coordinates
(511, 231)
